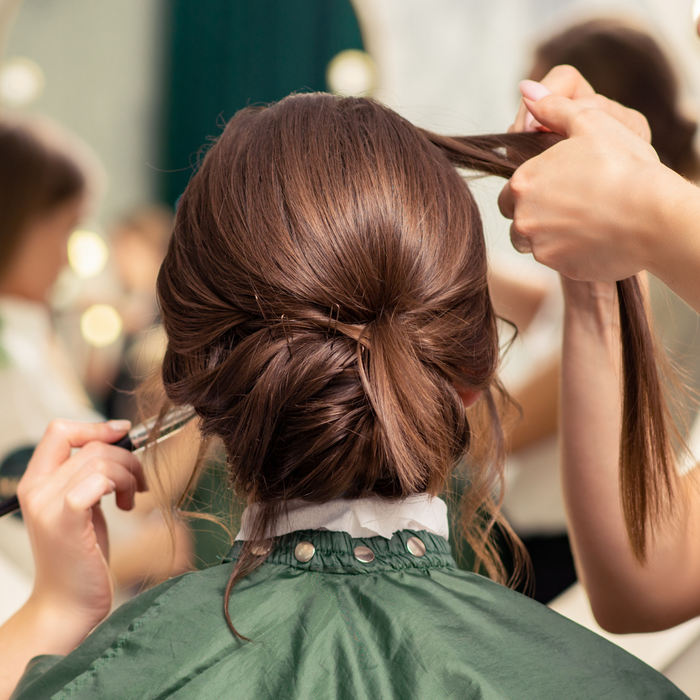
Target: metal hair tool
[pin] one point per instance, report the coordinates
(136, 440)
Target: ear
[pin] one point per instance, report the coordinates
(469, 396)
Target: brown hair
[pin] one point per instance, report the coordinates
(35, 177)
(627, 65)
(325, 295)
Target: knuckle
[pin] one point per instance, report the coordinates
(518, 184)
(585, 119)
(98, 464)
(566, 70)
(521, 182)
(72, 503)
(523, 226)
(563, 80)
(57, 427)
(93, 449)
(30, 501)
(642, 128)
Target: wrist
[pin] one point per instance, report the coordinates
(59, 626)
(670, 206)
(590, 300)
(591, 317)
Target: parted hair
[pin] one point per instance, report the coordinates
(325, 300)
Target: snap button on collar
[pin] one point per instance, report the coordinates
(363, 554)
(260, 549)
(304, 551)
(415, 546)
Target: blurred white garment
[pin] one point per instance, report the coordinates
(690, 460)
(37, 382)
(533, 501)
(15, 588)
(37, 385)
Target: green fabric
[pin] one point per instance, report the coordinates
(398, 627)
(213, 496)
(226, 54)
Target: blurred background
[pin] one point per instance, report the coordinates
(146, 83)
(134, 90)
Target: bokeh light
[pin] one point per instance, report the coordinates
(87, 253)
(351, 72)
(101, 325)
(21, 81)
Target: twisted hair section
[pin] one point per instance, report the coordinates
(326, 304)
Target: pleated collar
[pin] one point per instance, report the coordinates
(365, 517)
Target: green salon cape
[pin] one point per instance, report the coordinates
(403, 625)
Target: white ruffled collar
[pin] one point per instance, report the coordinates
(364, 517)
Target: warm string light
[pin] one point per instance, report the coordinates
(21, 82)
(101, 325)
(87, 253)
(351, 72)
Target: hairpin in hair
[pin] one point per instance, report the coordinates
(264, 315)
(262, 311)
(332, 322)
(284, 323)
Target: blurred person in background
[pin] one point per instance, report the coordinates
(44, 183)
(47, 178)
(624, 63)
(138, 244)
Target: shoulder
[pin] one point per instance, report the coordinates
(434, 632)
(117, 636)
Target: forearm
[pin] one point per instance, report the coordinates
(37, 628)
(625, 595)
(672, 240)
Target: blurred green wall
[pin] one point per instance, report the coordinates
(226, 54)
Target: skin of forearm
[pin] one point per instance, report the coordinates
(39, 627)
(625, 596)
(671, 243)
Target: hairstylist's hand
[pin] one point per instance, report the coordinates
(589, 206)
(60, 498)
